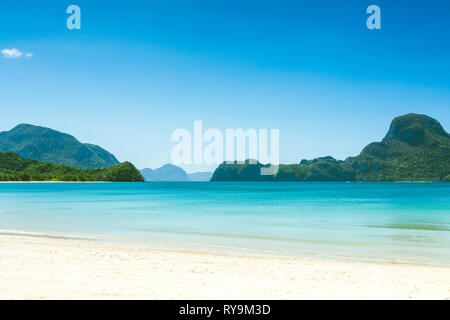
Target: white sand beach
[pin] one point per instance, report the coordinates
(46, 268)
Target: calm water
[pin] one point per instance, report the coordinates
(375, 221)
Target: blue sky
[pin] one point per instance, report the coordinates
(138, 70)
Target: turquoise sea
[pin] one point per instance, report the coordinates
(401, 222)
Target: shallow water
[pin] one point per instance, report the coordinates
(402, 222)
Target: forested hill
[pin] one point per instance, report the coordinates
(416, 148)
(16, 168)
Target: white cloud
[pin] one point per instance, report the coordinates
(14, 53)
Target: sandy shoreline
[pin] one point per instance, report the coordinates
(46, 268)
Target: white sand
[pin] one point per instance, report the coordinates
(45, 268)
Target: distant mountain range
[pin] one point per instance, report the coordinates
(44, 144)
(170, 172)
(416, 148)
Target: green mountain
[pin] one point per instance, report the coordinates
(416, 148)
(48, 145)
(16, 168)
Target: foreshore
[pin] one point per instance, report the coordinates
(58, 268)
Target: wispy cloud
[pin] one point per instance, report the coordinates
(14, 53)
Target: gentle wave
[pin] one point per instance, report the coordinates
(413, 227)
(260, 237)
(47, 235)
